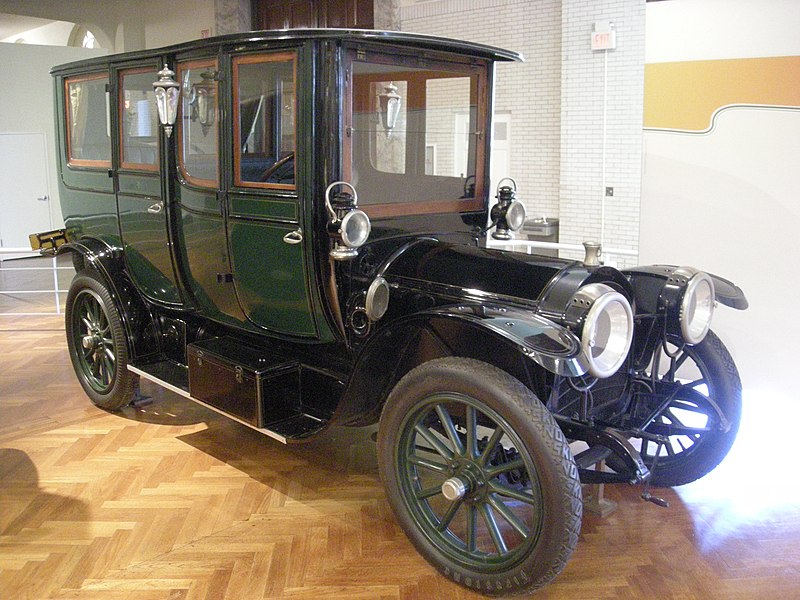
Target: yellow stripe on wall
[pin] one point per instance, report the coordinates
(685, 95)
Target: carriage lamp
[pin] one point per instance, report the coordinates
(389, 103)
(167, 92)
(203, 97)
(508, 214)
(348, 226)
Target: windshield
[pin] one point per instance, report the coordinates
(417, 136)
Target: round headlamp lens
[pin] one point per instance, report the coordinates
(515, 216)
(355, 228)
(607, 331)
(697, 308)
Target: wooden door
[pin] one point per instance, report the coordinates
(297, 14)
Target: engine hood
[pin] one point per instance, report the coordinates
(429, 263)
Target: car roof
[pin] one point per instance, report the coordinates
(402, 38)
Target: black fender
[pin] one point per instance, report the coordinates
(525, 345)
(108, 264)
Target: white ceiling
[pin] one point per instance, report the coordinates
(11, 25)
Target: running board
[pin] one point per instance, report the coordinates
(288, 428)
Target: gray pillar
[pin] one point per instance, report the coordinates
(387, 15)
(232, 16)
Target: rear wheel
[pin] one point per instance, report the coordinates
(479, 476)
(97, 343)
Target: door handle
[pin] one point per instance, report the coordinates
(44, 198)
(294, 237)
(154, 209)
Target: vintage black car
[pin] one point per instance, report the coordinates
(290, 228)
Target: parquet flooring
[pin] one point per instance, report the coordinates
(171, 501)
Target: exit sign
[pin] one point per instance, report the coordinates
(604, 40)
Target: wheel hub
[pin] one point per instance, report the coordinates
(467, 482)
(91, 341)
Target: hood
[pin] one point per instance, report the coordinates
(427, 262)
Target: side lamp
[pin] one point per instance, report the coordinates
(348, 226)
(203, 94)
(167, 92)
(508, 215)
(389, 107)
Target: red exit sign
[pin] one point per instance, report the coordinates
(604, 40)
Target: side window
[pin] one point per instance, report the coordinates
(138, 118)
(88, 121)
(199, 123)
(264, 120)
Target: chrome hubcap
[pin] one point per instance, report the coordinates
(454, 488)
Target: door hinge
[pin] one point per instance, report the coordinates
(224, 277)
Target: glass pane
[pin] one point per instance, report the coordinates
(415, 135)
(197, 134)
(139, 120)
(265, 99)
(87, 121)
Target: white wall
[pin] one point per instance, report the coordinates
(29, 108)
(727, 200)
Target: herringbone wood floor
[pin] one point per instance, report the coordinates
(171, 501)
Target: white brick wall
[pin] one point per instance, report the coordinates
(555, 100)
(582, 100)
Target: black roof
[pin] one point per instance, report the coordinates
(417, 40)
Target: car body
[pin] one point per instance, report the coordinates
(291, 228)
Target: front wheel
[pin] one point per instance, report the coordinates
(97, 343)
(693, 396)
(479, 476)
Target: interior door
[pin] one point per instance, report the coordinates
(143, 213)
(25, 200)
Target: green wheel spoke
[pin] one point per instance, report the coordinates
(512, 493)
(509, 516)
(490, 446)
(447, 518)
(472, 528)
(449, 429)
(427, 464)
(494, 530)
(437, 444)
(428, 492)
(472, 432)
(505, 467)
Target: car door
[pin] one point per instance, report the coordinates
(143, 213)
(267, 243)
(201, 235)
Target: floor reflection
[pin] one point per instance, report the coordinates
(756, 488)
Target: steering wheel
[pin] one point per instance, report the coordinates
(270, 171)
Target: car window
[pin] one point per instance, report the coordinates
(417, 135)
(138, 118)
(199, 122)
(88, 121)
(264, 120)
